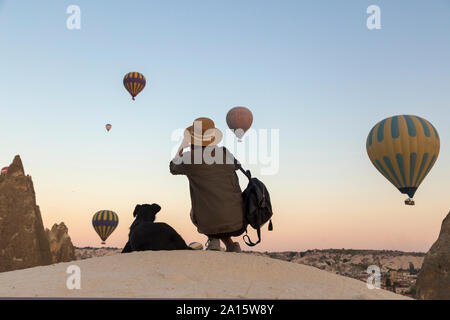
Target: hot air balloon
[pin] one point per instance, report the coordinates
(134, 82)
(104, 223)
(239, 119)
(108, 127)
(4, 170)
(404, 148)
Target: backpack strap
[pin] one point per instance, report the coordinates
(247, 173)
(250, 242)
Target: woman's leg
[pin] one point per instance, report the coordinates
(213, 244)
(228, 243)
(231, 246)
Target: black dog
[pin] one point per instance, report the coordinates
(145, 234)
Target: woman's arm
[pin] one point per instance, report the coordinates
(176, 165)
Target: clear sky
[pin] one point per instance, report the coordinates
(311, 69)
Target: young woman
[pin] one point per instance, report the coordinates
(214, 185)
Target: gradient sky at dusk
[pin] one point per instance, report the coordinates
(311, 69)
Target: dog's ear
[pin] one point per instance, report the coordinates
(136, 210)
(155, 208)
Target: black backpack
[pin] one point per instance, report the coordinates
(257, 206)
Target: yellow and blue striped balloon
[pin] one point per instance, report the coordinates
(403, 148)
(104, 223)
(134, 82)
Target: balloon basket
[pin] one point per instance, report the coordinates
(103, 242)
(239, 140)
(409, 202)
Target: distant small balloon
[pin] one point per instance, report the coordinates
(4, 169)
(134, 82)
(239, 119)
(108, 127)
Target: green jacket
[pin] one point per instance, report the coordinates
(216, 196)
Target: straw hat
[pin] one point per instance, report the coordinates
(203, 133)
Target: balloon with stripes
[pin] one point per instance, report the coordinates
(104, 223)
(134, 82)
(404, 148)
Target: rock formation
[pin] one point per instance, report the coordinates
(61, 247)
(433, 281)
(23, 242)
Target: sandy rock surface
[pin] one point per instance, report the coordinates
(187, 274)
